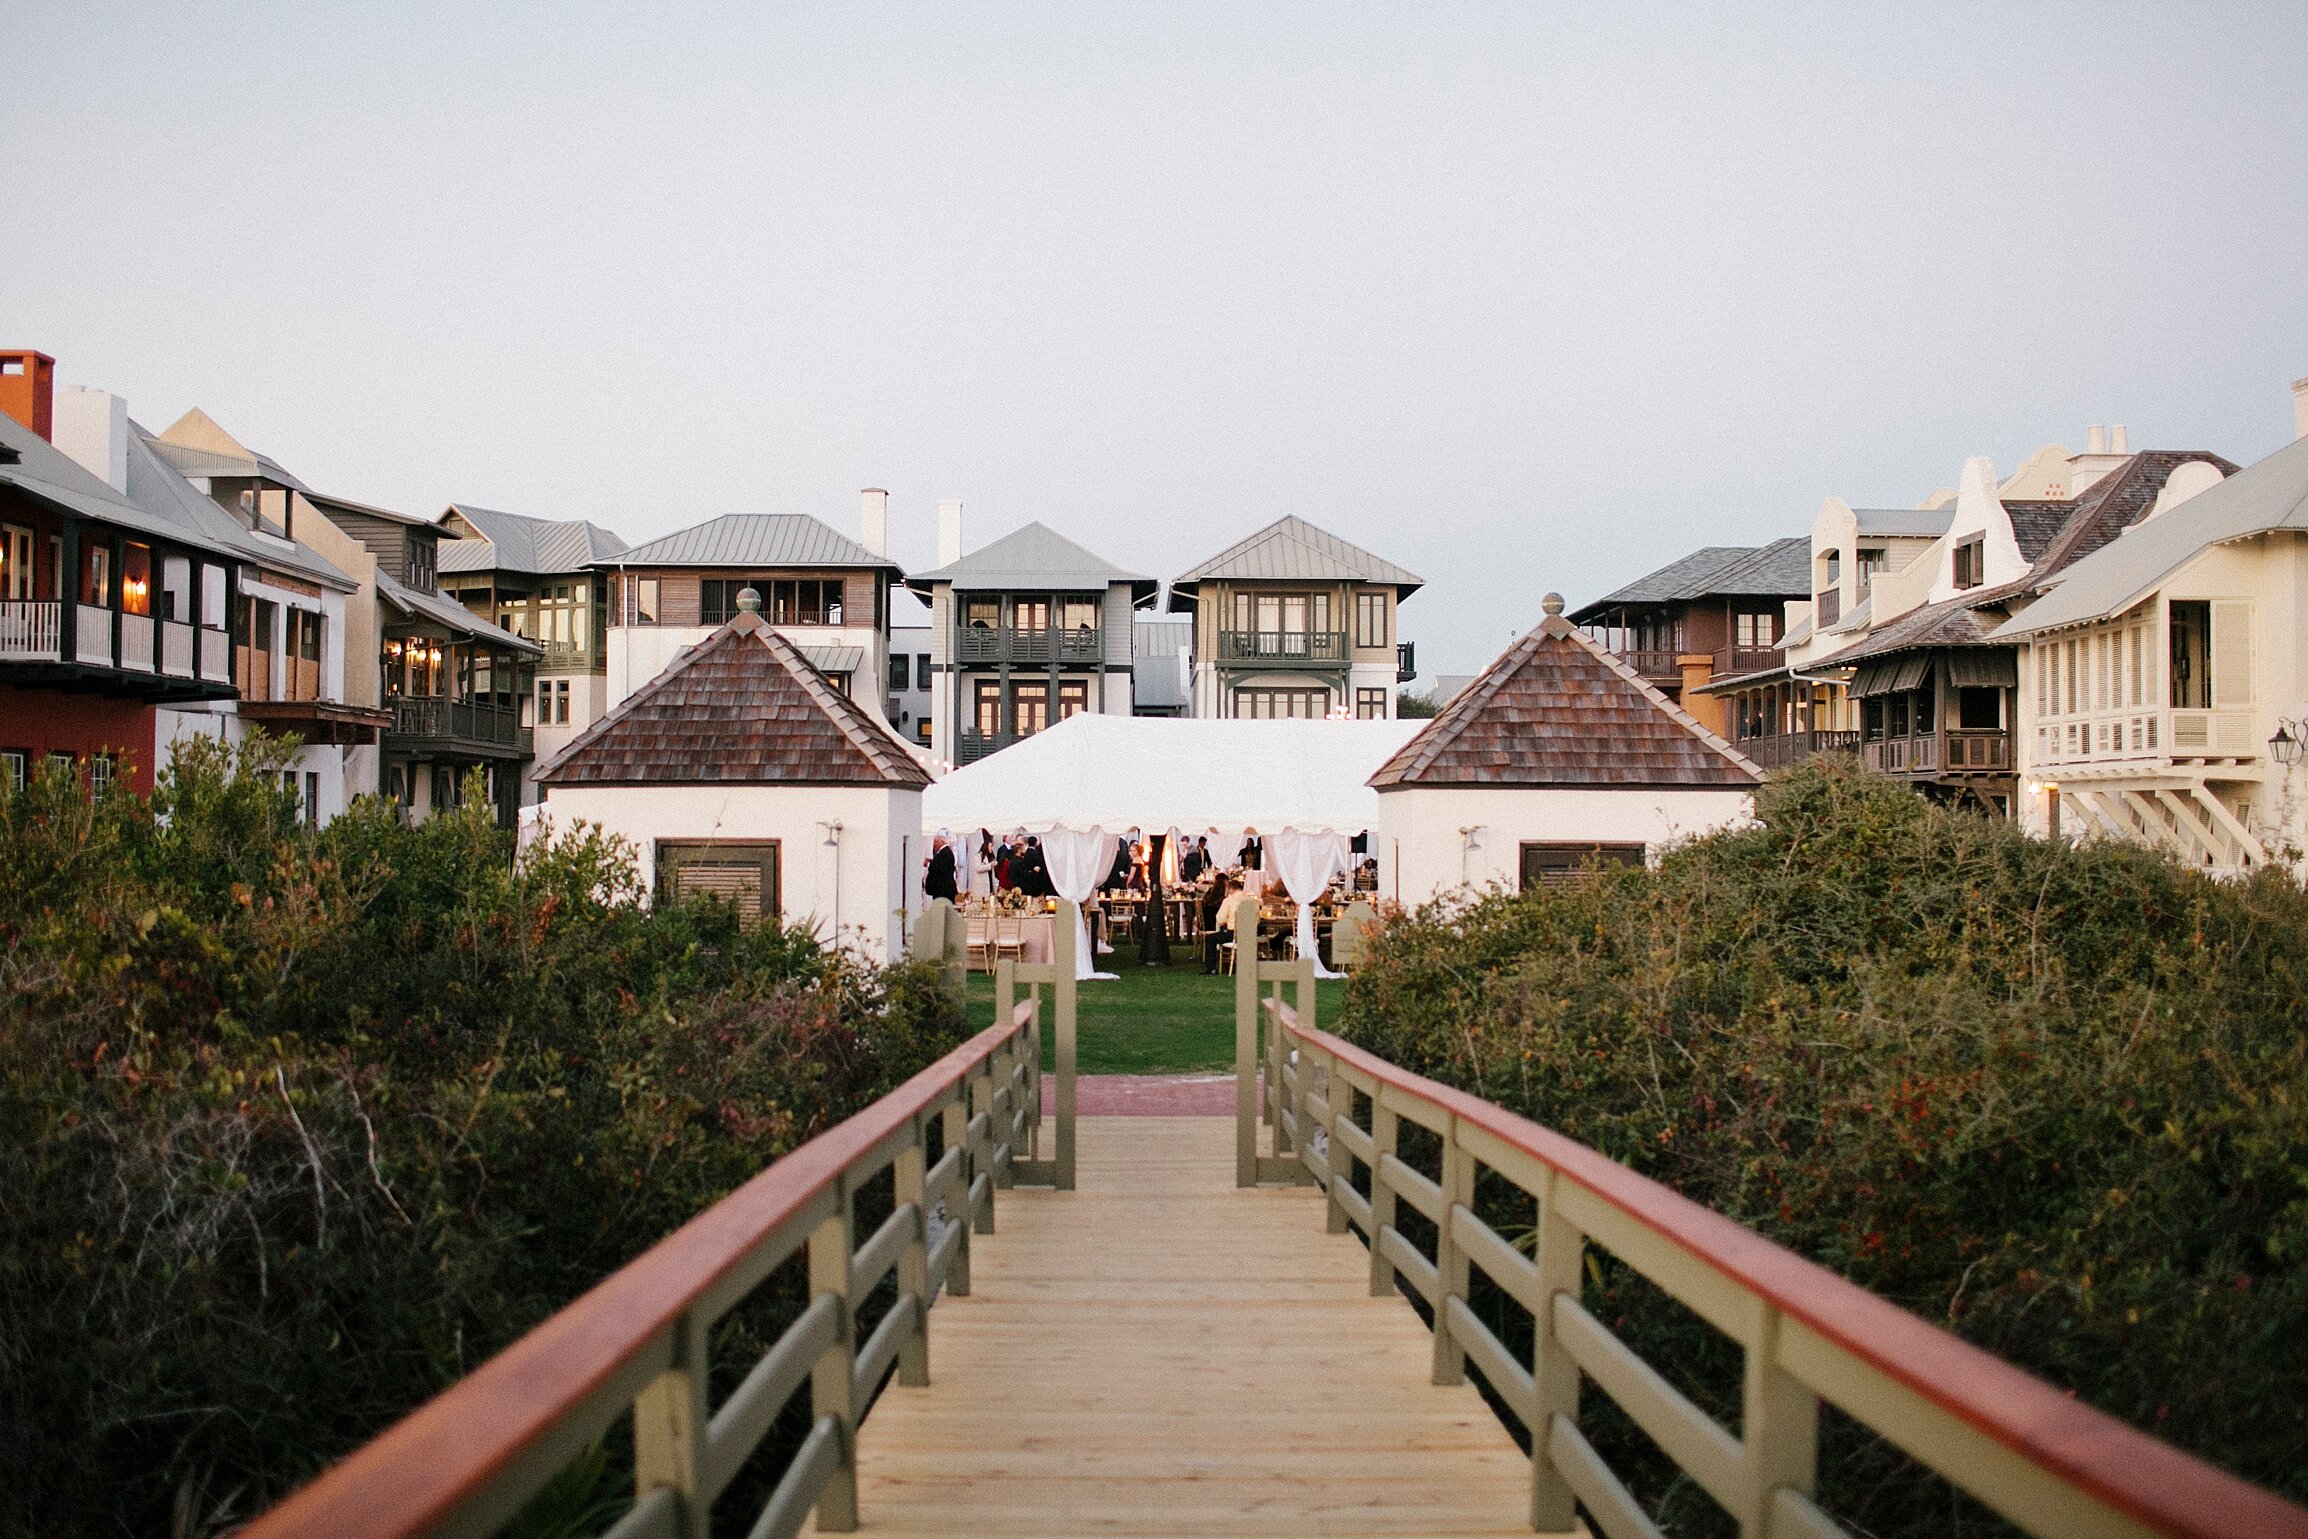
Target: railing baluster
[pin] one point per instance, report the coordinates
(1384, 1130)
(1779, 1426)
(1556, 1377)
(956, 1131)
(669, 1424)
(1450, 1262)
(1338, 1098)
(982, 1148)
(914, 1261)
(831, 1393)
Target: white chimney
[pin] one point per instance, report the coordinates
(2095, 439)
(2300, 408)
(873, 520)
(2120, 440)
(949, 531)
(92, 427)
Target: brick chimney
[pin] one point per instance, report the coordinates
(873, 520)
(949, 531)
(28, 389)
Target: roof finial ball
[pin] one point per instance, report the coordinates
(750, 601)
(1552, 604)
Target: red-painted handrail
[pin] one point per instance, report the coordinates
(2149, 1480)
(442, 1455)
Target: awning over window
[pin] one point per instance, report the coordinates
(1983, 668)
(1891, 675)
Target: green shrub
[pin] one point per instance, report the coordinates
(2054, 1098)
(297, 1126)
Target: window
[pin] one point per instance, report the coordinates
(212, 597)
(307, 634)
(1073, 697)
(422, 570)
(742, 873)
(312, 797)
(1756, 630)
(100, 773)
(982, 614)
(1304, 704)
(1926, 708)
(784, 601)
(1871, 566)
(922, 731)
(900, 670)
(2191, 655)
(1030, 707)
(136, 579)
(989, 708)
(1370, 619)
(176, 589)
(96, 575)
(1970, 561)
(1078, 615)
(1978, 710)
(2137, 688)
(15, 563)
(1562, 865)
(643, 601)
(15, 768)
(552, 702)
(1370, 704)
(921, 670)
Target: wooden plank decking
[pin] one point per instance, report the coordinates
(1159, 1353)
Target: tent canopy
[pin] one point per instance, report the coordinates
(1156, 773)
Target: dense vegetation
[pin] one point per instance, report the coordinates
(2054, 1098)
(297, 1125)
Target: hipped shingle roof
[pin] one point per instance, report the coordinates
(1558, 710)
(742, 707)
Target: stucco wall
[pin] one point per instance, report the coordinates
(1422, 855)
(853, 887)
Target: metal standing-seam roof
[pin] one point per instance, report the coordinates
(1779, 569)
(157, 485)
(1906, 523)
(514, 542)
(445, 611)
(1036, 556)
(752, 540)
(1558, 710)
(743, 707)
(39, 469)
(2270, 495)
(1292, 550)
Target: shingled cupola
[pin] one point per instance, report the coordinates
(1557, 756)
(742, 771)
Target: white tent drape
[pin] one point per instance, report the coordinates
(1306, 862)
(1079, 860)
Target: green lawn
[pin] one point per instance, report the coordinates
(1151, 1020)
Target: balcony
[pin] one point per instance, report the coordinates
(1730, 662)
(113, 651)
(1656, 665)
(1792, 748)
(1405, 661)
(435, 725)
(570, 657)
(1828, 607)
(1969, 750)
(1283, 649)
(1012, 644)
(973, 746)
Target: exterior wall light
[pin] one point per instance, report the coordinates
(2290, 741)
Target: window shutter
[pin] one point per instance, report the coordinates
(2231, 653)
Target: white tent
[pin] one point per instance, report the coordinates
(1081, 784)
(1158, 773)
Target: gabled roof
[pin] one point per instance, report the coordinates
(39, 469)
(2270, 495)
(752, 540)
(513, 542)
(1781, 569)
(197, 445)
(324, 501)
(156, 485)
(1558, 710)
(1035, 557)
(1293, 550)
(742, 707)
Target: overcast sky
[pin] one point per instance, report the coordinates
(1517, 297)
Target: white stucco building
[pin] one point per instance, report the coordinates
(740, 769)
(1558, 754)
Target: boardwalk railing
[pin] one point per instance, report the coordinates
(2049, 1464)
(466, 1462)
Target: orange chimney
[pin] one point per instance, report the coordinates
(28, 388)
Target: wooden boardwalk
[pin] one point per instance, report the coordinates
(1159, 1353)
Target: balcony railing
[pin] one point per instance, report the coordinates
(92, 636)
(1733, 661)
(439, 719)
(1654, 663)
(1283, 649)
(176, 649)
(31, 631)
(1015, 644)
(568, 657)
(1956, 749)
(973, 746)
(1405, 661)
(1829, 607)
(1788, 748)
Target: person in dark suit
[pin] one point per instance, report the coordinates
(1035, 882)
(940, 882)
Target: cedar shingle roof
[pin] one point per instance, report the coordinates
(742, 707)
(1558, 710)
